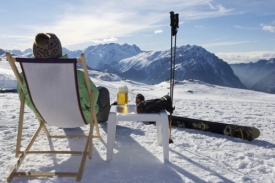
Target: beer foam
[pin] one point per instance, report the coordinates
(123, 89)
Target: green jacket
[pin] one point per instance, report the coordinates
(83, 95)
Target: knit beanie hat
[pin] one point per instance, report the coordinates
(140, 97)
(47, 45)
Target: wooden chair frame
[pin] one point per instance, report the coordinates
(22, 154)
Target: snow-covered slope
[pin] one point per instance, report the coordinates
(7, 78)
(195, 156)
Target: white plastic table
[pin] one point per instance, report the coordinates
(130, 114)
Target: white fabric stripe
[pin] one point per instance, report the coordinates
(53, 91)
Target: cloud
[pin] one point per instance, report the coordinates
(223, 44)
(112, 39)
(10, 36)
(117, 21)
(200, 27)
(268, 28)
(21, 41)
(245, 57)
(221, 8)
(244, 28)
(192, 14)
(116, 18)
(211, 6)
(158, 31)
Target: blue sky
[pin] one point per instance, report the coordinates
(236, 31)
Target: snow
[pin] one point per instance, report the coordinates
(7, 78)
(195, 156)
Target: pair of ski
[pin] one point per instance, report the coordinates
(243, 132)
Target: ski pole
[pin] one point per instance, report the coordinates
(174, 23)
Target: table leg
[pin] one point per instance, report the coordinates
(111, 134)
(159, 132)
(165, 137)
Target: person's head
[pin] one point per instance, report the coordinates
(47, 45)
(139, 98)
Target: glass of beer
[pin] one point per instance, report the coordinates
(122, 96)
(122, 110)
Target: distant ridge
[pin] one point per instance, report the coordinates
(259, 76)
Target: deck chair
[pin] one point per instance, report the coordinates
(57, 102)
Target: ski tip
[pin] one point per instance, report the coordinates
(256, 132)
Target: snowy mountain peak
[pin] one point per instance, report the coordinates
(2, 51)
(108, 54)
(27, 51)
(271, 61)
(16, 52)
(192, 62)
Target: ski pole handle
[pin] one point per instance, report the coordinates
(172, 18)
(174, 23)
(177, 21)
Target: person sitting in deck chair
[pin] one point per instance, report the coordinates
(47, 45)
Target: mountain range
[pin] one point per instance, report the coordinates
(2, 52)
(150, 67)
(259, 76)
(192, 62)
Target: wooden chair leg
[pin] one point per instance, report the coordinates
(23, 155)
(87, 151)
(91, 137)
(44, 127)
(97, 129)
(20, 125)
